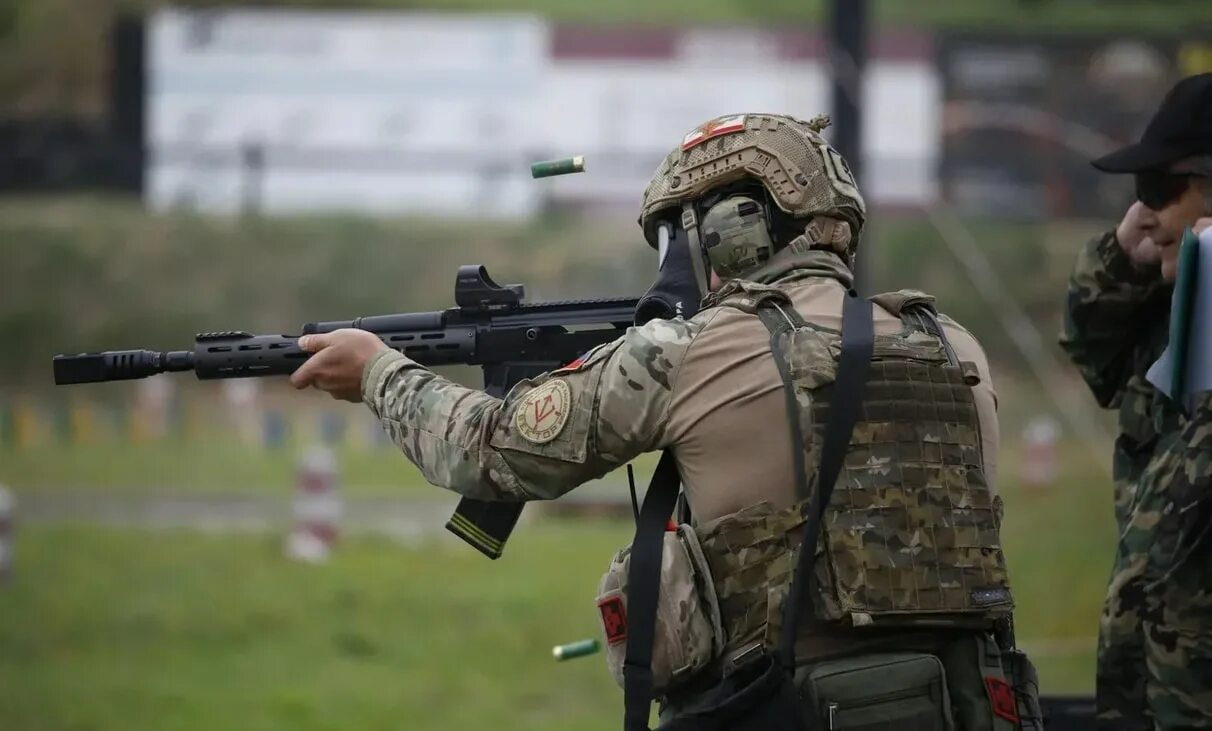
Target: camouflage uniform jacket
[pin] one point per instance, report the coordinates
(1155, 651)
(707, 387)
(1116, 325)
(1175, 532)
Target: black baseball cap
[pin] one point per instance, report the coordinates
(1181, 128)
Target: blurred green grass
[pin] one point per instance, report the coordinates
(1059, 542)
(132, 630)
(216, 466)
(143, 629)
(219, 466)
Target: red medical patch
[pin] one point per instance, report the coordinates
(614, 619)
(1001, 697)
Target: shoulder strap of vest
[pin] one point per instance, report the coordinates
(780, 322)
(858, 345)
(927, 318)
(643, 589)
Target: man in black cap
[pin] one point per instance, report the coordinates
(1155, 633)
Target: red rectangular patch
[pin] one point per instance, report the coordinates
(614, 619)
(1001, 697)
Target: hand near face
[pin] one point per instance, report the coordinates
(1190, 209)
(1134, 235)
(338, 361)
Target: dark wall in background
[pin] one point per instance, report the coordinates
(1023, 116)
(51, 153)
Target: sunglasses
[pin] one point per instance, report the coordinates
(1159, 189)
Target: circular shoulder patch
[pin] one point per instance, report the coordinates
(544, 411)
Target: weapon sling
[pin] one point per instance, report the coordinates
(762, 694)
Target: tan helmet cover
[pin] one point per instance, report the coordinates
(804, 175)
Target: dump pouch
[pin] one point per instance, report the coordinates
(688, 632)
(878, 692)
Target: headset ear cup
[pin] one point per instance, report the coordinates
(735, 234)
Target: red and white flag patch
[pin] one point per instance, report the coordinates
(714, 128)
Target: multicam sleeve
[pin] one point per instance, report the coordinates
(1175, 488)
(1111, 303)
(549, 434)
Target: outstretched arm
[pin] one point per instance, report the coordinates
(548, 434)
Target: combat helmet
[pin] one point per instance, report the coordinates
(807, 181)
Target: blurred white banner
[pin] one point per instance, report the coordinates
(283, 110)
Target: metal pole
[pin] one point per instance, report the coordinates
(847, 62)
(252, 157)
(128, 102)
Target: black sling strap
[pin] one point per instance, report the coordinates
(643, 589)
(644, 573)
(846, 402)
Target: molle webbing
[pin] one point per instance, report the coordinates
(913, 527)
(751, 555)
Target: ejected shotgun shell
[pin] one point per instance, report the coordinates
(563, 166)
(575, 649)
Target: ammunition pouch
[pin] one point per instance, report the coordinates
(993, 686)
(1024, 681)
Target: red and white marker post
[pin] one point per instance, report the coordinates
(1038, 463)
(317, 507)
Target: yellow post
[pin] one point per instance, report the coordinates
(138, 429)
(27, 425)
(82, 420)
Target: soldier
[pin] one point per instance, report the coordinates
(1116, 326)
(768, 215)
